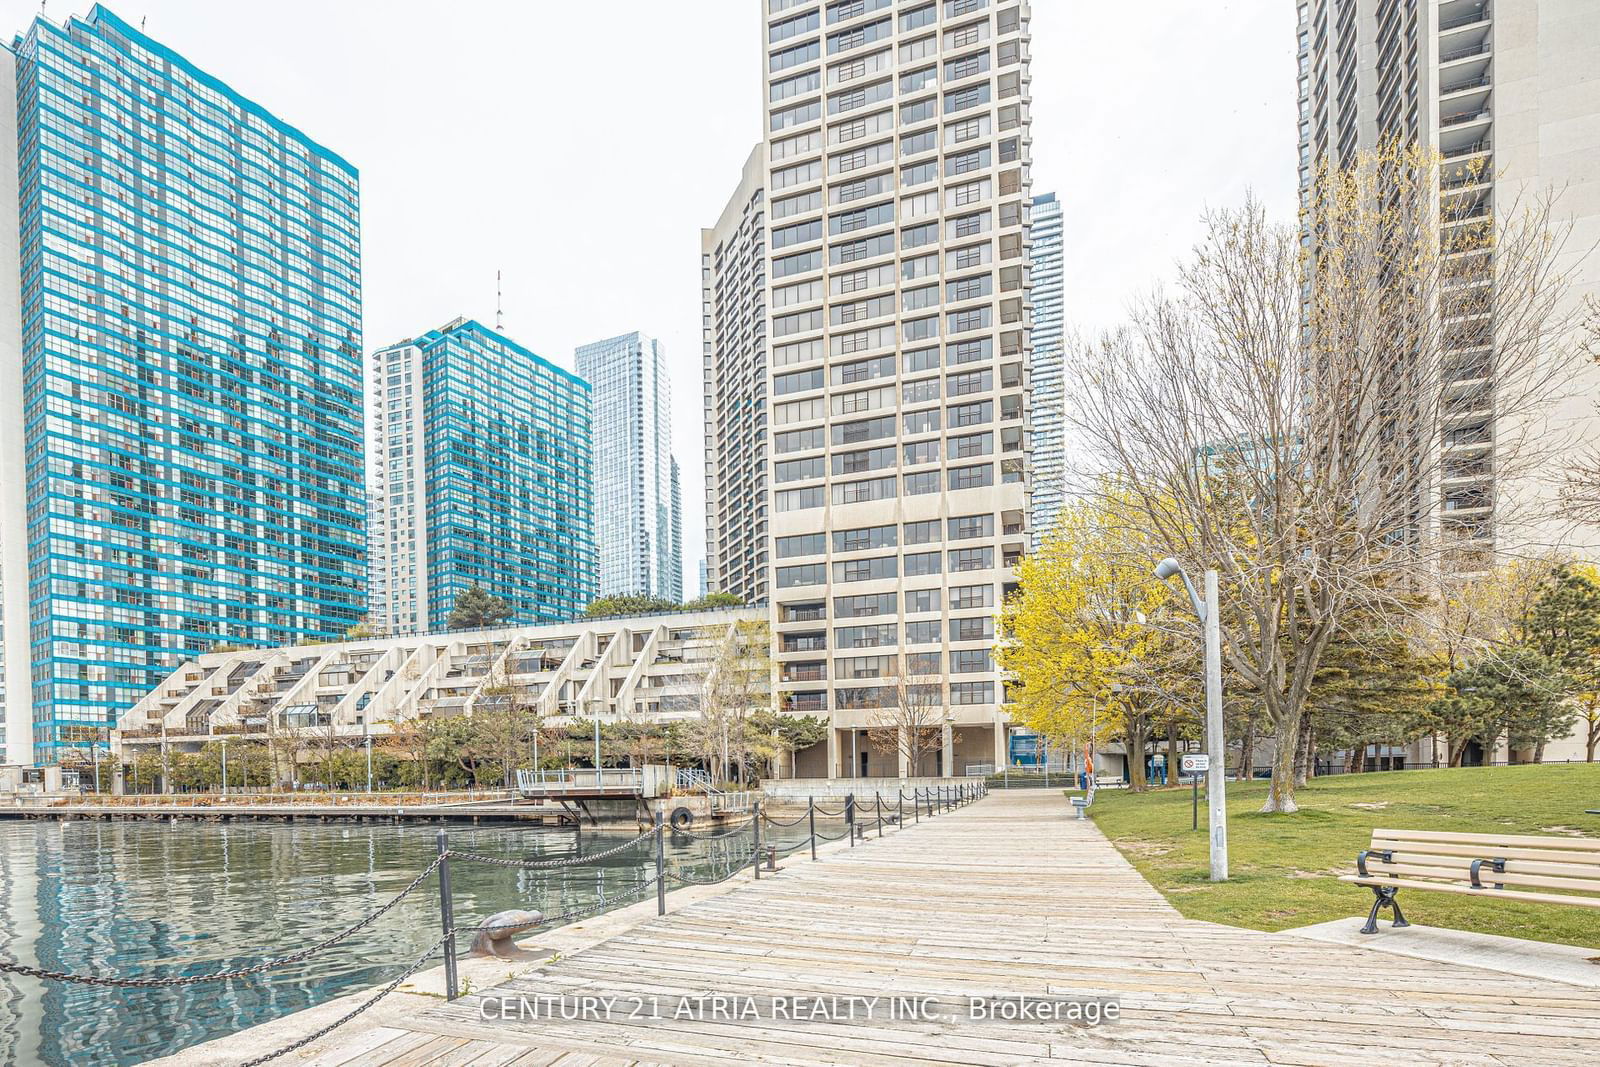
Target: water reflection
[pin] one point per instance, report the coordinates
(160, 899)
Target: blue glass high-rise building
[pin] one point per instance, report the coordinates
(638, 516)
(480, 473)
(1048, 410)
(188, 383)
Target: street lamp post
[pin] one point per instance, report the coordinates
(367, 740)
(225, 766)
(1211, 621)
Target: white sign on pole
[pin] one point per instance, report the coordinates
(1195, 763)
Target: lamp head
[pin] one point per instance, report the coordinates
(1168, 568)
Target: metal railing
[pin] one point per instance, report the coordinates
(1464, 20)
(1463, 53)
(574, 779)
(254, 797)
(928, 802)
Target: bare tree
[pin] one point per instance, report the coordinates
(504, 717)
(733, 682)
(1289, 419)
(1581, 493)
(908, 722)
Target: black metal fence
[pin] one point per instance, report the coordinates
(860, 820)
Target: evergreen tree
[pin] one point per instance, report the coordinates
(476, 609)
(1515, 693)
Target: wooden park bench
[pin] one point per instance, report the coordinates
(1482, 865)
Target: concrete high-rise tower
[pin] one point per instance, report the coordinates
(733, 266)
(1506, 93)
(879, 345)
(637, 521)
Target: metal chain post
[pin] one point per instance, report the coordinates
(811, 818)
(447, 917)
(661, 863)
(877, 798)
(755, 855)
(850, 817)
(900, 809)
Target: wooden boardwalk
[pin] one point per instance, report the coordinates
(1007, 896)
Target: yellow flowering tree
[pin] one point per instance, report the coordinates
(1079, 636)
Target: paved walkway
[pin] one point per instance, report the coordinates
(1007, 896)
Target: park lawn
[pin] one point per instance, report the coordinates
(1284, 868)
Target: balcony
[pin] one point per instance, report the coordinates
(1481, 144)
(1468, 15)
(1461, 85)
(1463, 118)
(1455, 55)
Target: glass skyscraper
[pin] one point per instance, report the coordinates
(480, 472)
(1049, 396)
(188, 389)
(637, 511)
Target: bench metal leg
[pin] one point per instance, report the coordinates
(1384, 897)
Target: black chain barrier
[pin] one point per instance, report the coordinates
(223, 976)
(385, 991)
(566, 916)
(770, 821)
(727, 832)
(541, 865)
(735, 869)
(956, 797)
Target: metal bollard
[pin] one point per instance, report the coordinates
(850, 817)
(811, 819)
(772, 858)
(900, 809)
(447, 918)
(755, 857)
(661, 863)
(878, 800)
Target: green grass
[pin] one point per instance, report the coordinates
(1284, 868)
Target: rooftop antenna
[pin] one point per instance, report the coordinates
(499, 305)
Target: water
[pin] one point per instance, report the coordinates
(149, 899)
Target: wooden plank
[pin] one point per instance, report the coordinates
(1486, 874)
(1554, 854)
(1488, 891)
(1511, 840)
(1006, 897)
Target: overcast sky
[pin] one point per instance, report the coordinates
(580, 147)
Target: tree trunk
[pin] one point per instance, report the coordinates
(1538, 751)
(1303, 749)
(1138, 733)
(1172, 752)
(1280, 794)
(1593, 740)
(1247, 749)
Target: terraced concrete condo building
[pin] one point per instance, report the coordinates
(896, 180)
(480, 472)
(1507, 94)
(638, 527)
(1048, 409)
(733, 271)
(640, 668)
(181, 452)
